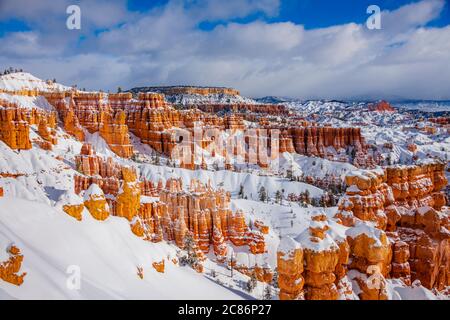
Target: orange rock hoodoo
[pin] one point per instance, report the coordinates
(202, 211)
(15, 124)
(311, 266)
(407, 203)
(398, 227)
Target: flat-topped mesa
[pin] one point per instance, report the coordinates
(315, 261)
(176, 90)
(408, 202)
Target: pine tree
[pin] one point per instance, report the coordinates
(190, 246)
(278, 196)
(241, 192)
(251, 283)
(267, 293)
(119, 90)
(262, 194)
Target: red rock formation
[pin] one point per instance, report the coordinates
(159, 266)
(128, 200)
(290, 269)
(14, 130)
(95, 202)
(115, 132)
(382, 106)
(9, 269)
(74, 210)
(407, 201)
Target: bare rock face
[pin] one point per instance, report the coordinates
(9, 269)
(407, 201)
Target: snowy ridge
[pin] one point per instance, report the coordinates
(26, 81)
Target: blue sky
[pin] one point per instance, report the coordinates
(303, 48)
(311, 13)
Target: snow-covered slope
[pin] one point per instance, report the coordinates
(26, 81)
(106, 254)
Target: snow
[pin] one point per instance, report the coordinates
(107, 254)
(288, 245)
(69, 198)
(230, 181)
(26, 81)
(365, 228)
(92, 192)
(316, 244)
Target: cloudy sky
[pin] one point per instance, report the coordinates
(306, 48)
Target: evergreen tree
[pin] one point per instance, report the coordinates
(267, 293)
(251, 283)
(119, 90)
(241, 192)
(190, 246)
(278, 196)
(262, 194)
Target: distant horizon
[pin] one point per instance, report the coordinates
(344, 100)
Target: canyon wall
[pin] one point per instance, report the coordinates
(396, 226)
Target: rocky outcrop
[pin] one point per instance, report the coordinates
(9, 269)
(382, 106)
(115, 132)
(311, 266)
(14, 129)
(159, 266)
(408, 203)
(128, 200)
(95, 202)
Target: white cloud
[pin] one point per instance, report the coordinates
(403, 60)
